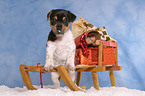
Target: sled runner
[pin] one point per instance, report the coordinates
(94, 68)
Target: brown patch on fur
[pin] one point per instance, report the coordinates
(55, 17)
(63, 18)
(65, 28)
(53, 27)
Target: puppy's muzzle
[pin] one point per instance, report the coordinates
(59, 28)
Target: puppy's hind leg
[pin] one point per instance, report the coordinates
(71, 64)
(55, 78)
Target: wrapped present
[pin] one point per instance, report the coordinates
(112, 44)
(80, 26)
(87, 38)
(92, 57)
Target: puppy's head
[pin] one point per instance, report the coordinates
(60, 20)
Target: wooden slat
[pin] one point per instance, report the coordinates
(67, 79)
(116, 55)
(78, 68)
(95, 80)
(99, 69)
(36, 69)
(113, 67)
(100, 54)
(26, 77)
(112, 78)
(78, 80)
(89, 68)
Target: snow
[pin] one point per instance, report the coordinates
(65, 91)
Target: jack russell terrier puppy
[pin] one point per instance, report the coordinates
(60, 48)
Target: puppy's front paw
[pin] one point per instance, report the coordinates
(71, 68)
(48, 67)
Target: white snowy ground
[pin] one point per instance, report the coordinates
(64, 91)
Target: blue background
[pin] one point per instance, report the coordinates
(24, 29)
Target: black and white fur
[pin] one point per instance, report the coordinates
(60, 48)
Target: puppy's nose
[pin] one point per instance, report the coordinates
(59, 27)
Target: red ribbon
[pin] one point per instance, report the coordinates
(40, 75)
(84, 44)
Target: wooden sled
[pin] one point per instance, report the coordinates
(79, 69)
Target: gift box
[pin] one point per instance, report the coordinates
(87, 38)
(108, 56)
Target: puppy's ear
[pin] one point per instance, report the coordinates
(48, 15)
(72, 17)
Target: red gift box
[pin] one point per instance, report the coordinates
(108, 56)
(108, 43)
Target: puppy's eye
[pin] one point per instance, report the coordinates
(54, 20)
(65, 21)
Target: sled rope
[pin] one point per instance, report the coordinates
(40, 75)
